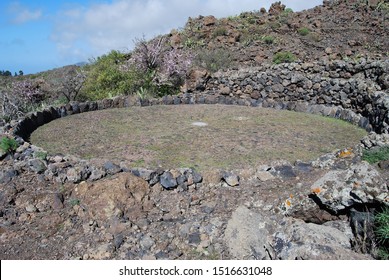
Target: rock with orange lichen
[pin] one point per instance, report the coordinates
(338, 190)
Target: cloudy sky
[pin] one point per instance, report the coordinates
(40, 35)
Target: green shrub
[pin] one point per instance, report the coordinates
(382, 232)
(220, 31)
(8, 145)
(376, 155)
(268, 39)
(284, 57)
(41, 155)
(303, 31)
(106, 79)
(214, 60)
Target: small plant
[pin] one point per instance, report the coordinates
(268, 39)
(214, 60)
(284, 57)
(376, 155)
(74, 202)
(142, 93)
(8, 145)
(41, 155)
(303, 31)
(382, 233)
(220, 31)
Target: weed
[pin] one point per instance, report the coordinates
(214, 60)
(303, 31)
(284, 57)
(220, 31)
(74, 202)
(382, 232)
(41, 155)
(268, 39)
(8, 145)
(376, 155)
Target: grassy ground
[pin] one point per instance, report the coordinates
(235, 137)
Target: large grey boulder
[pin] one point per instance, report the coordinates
(252, 235)
(361, 183)
(299, 240)
(248, 234)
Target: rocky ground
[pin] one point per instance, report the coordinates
(310, 210)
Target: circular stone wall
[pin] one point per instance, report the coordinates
(231, 137)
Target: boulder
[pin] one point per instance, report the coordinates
(111, 198)
(338, 190)
(168, 181)
(303, 241)
(248, 234)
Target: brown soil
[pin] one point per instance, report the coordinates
(164, 136)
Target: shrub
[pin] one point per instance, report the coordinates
(303, 31)
(41, 155)
(376, 155)
(268, 39)
(20, 97)
(284, 57)
(214, 60)
(382, 232)
(105, 78)
(220, 31)
(8, 145)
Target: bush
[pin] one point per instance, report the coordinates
(19, 98)
(376, 155)
(8, 145)
(382, 232)
(268, 39)
(284, 57)
(220, 31)
(105, 78)
(214, 60)
(303, 31)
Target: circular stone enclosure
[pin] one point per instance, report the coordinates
(234, 137)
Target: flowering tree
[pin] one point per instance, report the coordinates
(162, 63)
(18, 98)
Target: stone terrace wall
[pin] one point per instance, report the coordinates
(358, 86)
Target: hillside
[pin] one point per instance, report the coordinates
(335, 30)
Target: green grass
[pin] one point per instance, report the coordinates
(382, 232)
(303, 31)
(8, 145)
(284, 57)
(376, 155)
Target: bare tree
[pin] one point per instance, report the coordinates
(72, 84)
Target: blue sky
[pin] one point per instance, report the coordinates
(41, 35)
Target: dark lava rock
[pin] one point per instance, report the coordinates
(37, 165)
(6, 176)
(285, 171)
(111, 168)
(168, 181)
(194, 238)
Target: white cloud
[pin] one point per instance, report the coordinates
(21, 14)
(94, 30)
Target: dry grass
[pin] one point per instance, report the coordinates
(236, 137)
